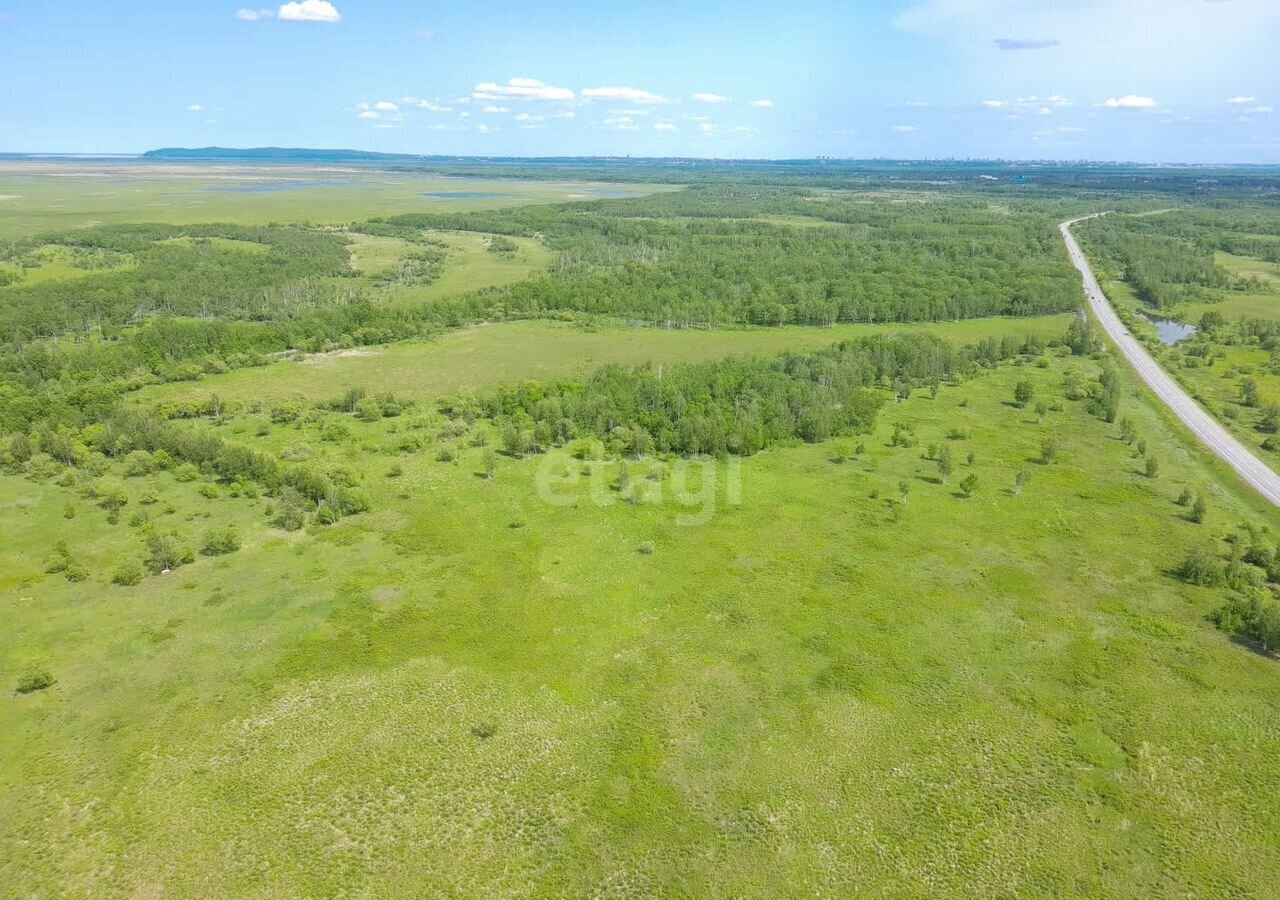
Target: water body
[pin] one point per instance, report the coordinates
(462, 195)
(1170, 331)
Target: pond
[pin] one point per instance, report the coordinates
(1170, 331)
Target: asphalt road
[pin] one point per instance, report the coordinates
(1235, 454)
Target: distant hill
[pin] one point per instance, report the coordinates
(275, 153)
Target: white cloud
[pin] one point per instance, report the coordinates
(308, 11)
(1128, 101)
(692, 118)
(495, 109)
(527, 117)
(904, 128)
(423, 34)
(195, 107)
(464, 115)
(1028, 106)
(665, 126)
(1071, 129)
(1026, 43)
(706, 128)
(632, 112)
(625, 94)
(385, 106)
(369, 115)
(485, 129)
(622, 123)
(1259, 109)
(520, 89)
(1241, 101)
(763, 103)
(564, 115)
(253, 15)
(705, 97)
(432, 106)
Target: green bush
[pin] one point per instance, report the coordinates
(34, 680)
(219, 541)
(128, 573)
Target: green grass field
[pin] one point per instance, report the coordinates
(818, 689)
(821, 670)
(503, 353)
(37, 196)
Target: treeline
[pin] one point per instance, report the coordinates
(194, 276)
(734, 406)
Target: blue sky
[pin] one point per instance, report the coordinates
(1150, 80)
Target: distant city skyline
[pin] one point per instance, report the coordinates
(1143, 80)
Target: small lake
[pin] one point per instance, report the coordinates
(461, 195)
(1170, 331)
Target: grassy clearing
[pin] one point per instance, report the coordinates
(471, 266)
(218, 243)
(57, 263)
(1237, 304)
(54, 196)
(473, 358)
(473, 690)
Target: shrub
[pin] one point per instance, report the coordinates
(138, 463)
(166, 552)
(1200, 567)
(219, 541)
(34, 680)
(293, 509)
(1199, 510)
(58, 560)
(128, 573)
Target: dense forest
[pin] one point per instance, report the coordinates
(726, 255)
(1168, 258)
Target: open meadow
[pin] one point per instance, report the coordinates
(37, 197)
(667, 545)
